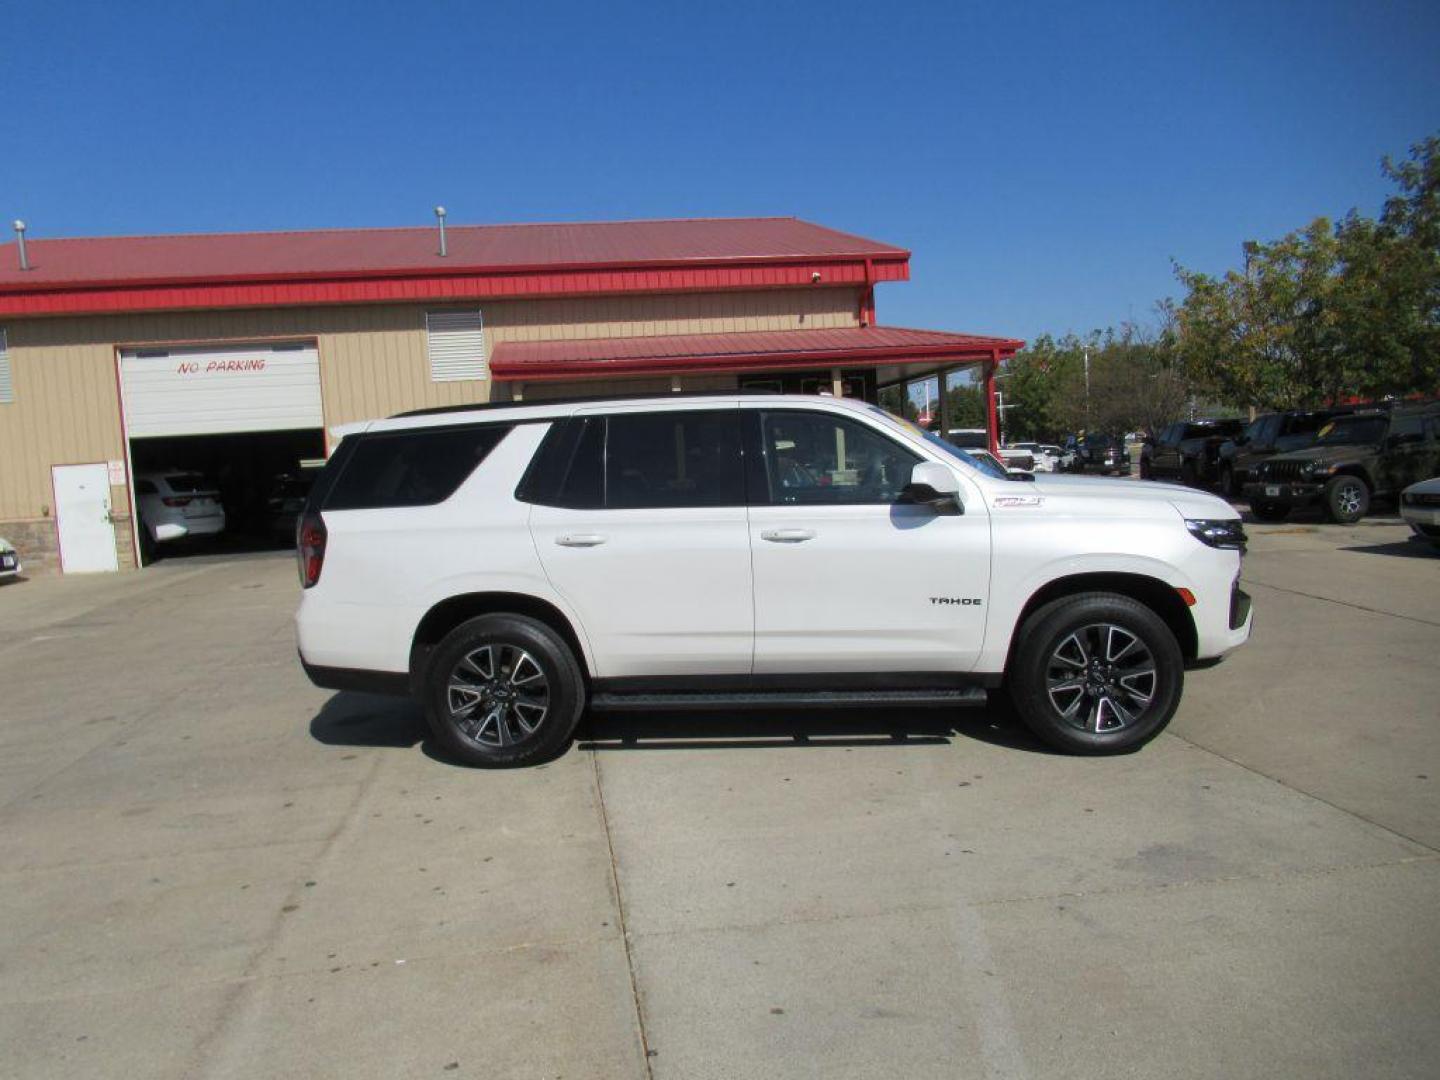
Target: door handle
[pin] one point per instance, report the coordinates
(581, 540)
(788, 536)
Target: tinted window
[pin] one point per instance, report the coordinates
(145, 487)
(1352, 430)
(189, 482)
(411, 468)
(673, 459)
(1407, 429)
(815, 458)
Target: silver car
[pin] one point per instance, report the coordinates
(1420, 506)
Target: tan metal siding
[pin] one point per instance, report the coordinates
(372, 362)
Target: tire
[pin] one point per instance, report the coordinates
(1188, 475)
(1269, 511)
(1347, 499)
(1228, 486)
(1107, 710)
(529, 692)
(1147, 472)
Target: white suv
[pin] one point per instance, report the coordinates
(510, 564)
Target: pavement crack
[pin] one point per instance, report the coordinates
(620, 918)
(1341, 603)
(1308, 794)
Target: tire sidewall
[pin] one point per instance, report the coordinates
(1049, 626)
(1332, 499)
(567, 689)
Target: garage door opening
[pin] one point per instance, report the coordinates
(223, 443)
(209, 494)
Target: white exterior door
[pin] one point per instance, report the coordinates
(82, 518)
(217, 391)
(661, 584)
(845, 579)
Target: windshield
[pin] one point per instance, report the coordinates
(1352, 430)
(986, 464)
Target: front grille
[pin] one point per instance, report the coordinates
(1280, 470)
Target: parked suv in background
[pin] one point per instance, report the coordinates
(1354, 459)
(1264, 437)
(510, 564)
(1097, 453)
(1188, 451)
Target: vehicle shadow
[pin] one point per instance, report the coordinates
(369, 720)
(1406, 549)
(353, 719)
(816, 729)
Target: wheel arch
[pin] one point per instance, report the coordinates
(454, 610)
(1159, 596)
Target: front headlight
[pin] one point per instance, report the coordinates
(1318, 468)
(1218, 533)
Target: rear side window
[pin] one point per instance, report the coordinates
(186, 483)
(410, 468)
(674, 459)
(638, 461)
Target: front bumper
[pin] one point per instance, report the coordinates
(1421, 515)
(1289, 493)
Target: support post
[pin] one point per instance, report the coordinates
(992, 415)
(837, 384)
(941, 377)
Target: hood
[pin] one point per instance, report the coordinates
(1342, 452)
(1188, 501)
(1424, 487)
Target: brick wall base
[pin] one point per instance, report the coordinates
(39, 545)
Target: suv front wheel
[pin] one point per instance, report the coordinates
(1096, 673)
(1347, 499)
(503, 690)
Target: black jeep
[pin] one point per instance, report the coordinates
(1187, 451)
(1354, 459)
(1265, 436)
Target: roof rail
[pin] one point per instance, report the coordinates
(441, 410)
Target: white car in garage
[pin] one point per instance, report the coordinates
(178, 503)
(1420, 507)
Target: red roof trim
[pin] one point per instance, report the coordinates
(411, 286)
(718, 354)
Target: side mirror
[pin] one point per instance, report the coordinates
(933, 485)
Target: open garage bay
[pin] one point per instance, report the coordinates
(212, 869)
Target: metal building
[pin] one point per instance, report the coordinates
(238, 353)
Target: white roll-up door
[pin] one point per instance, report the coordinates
(215, 391)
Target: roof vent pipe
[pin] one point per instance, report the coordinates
(440, 217)
(20, 242)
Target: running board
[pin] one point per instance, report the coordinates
(970, 696)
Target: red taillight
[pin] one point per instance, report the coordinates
(310, 548)
(176, 500)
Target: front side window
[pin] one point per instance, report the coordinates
(818, 459)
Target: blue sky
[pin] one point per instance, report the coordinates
(1044, 162)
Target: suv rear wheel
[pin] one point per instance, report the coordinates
(1347, 499)
(1096, 673)
(503, 690)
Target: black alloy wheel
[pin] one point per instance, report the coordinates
(1096, 673)
(503, 690)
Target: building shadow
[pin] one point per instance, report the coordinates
(369, 720)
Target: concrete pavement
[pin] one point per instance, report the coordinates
(210, 868)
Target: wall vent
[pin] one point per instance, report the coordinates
(7, 384)
(455, 342)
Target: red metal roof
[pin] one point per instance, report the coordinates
(273, 256)
(536, 361)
